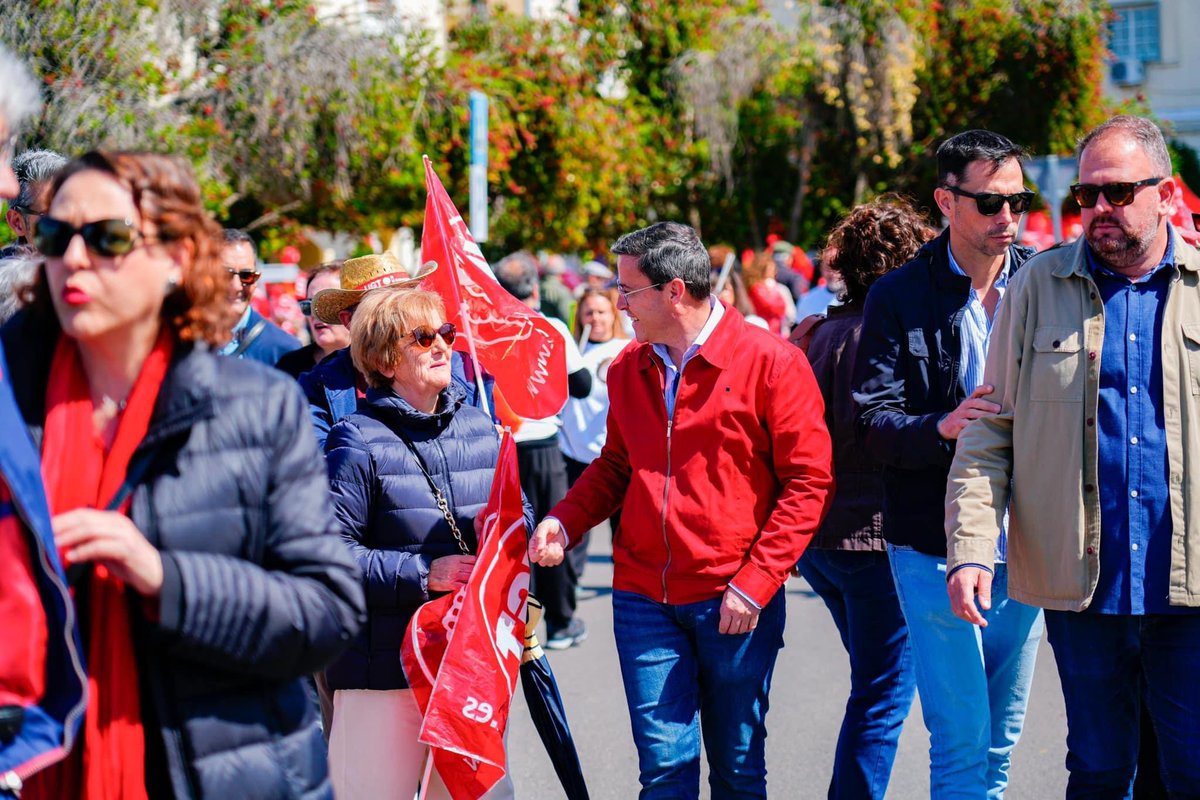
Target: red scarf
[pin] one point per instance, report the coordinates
(81, 473)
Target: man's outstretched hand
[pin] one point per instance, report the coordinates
(548, 543)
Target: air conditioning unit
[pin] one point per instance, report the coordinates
(1127, 72)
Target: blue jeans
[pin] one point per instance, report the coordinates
(974, 682)
(1107, 663)
(857, 588)
(683, 679)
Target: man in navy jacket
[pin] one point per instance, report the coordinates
(918, 380)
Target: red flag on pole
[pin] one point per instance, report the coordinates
(462, 652)
(514, 343)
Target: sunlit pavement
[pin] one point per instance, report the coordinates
(807, 697)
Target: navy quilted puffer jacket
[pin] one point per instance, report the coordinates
(257, 592)
(390, 519)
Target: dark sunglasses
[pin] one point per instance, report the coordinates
(1117, 194)
(306, 307)
(990, 203)
(246, 276)
(104, 237)
(425, 336)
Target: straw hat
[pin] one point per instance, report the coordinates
(360, 275)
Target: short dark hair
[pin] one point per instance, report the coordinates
(236, 235)
(959, 152)
(666, 251)
(34, 168)
(518, 274)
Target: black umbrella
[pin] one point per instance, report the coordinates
(546, 709)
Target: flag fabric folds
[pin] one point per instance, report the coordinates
(462, 651)
(516, 344)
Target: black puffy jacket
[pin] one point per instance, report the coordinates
(390, 519)
(257, 590)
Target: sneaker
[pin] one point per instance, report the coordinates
(575, 632)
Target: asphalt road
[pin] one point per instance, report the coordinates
(807, 698)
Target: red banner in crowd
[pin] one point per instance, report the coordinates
(462, 652)
(514, 343)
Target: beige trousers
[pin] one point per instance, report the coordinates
(374, 753)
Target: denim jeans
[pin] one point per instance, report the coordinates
(974, 682)
(682, 680)
(1107, 664)
(857, 588)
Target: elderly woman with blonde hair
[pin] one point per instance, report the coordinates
(409, 471)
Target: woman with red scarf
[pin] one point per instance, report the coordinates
(189, 504)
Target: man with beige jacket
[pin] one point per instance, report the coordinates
(1095, 360)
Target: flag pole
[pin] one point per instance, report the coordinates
(464, 313)
(726, 268)
(427, 774)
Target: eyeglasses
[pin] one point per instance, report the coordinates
(425, 336)
(306, 307)
(990, 203)
(1117, 194)
(246, 276)
(25, 211)
(626, 293)
(104, 237)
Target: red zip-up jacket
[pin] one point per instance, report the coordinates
(729, 490)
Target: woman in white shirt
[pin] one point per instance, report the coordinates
(585, 419)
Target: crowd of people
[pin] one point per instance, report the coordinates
(213, 538)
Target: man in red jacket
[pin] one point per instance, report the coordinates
(718, 455)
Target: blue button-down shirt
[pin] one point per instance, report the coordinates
(1135, 514)
(671, 379)
(975, 331)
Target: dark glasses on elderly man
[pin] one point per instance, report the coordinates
(990, 203)
(425, 336)
(1117, 194)
(104, 237)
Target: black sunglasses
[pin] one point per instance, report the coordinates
(1117, 194)
(104, 237)
(990, 203)
(306, 307)
(425, 336)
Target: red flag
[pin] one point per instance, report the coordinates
(462, 652)
(514, 343)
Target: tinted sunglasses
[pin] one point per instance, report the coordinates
(306, 307)
(1117, 194)
(990, 203)
(104, 237)
(246, 276)
(425, 336)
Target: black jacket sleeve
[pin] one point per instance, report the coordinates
(290, 610)
(889, 433)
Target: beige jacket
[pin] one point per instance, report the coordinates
(1044, 362)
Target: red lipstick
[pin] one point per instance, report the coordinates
(74, 296)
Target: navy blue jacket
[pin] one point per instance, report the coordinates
(906, 378)
(257, 591)
(50, 727)
(270, 345)
(329, 389)
(391, 521)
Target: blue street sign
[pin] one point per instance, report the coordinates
(479, 165)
